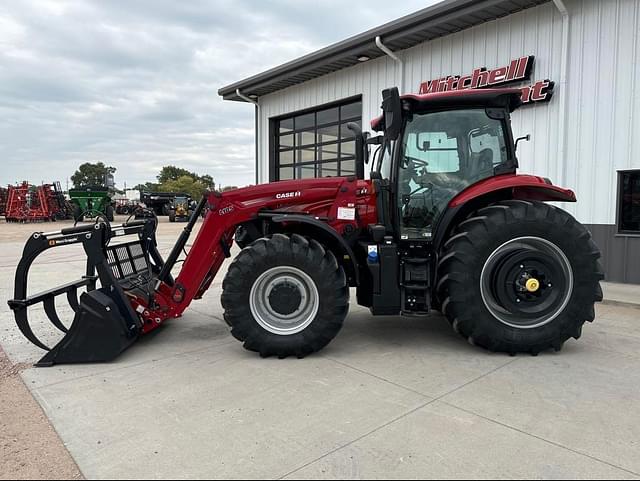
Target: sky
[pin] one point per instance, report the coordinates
(133, 83)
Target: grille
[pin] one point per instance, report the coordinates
(128, 260)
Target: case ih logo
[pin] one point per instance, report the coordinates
(518, 70)
(288, 195)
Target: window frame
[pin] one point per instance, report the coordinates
(619, 204)
(336, 161)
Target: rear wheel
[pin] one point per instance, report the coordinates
(109, 213)
(172, 216)
(77, 213)
(285, 296)
(520, 277)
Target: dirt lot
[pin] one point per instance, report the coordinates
(29, 446)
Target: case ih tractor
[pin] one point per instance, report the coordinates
(443, 223)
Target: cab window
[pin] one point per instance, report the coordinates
(442, 154)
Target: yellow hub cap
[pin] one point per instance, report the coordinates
(532, 285)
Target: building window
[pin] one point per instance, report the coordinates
(629, 198)
(317, 143)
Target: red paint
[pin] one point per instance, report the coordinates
(315, 197)
(425, 99)
(527, 187)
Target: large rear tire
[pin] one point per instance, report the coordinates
(519, 276)
(285, 296)
(110, 213)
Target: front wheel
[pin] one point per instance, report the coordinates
(285, 296)
(519, 276)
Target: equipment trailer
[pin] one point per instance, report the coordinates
(443, 223)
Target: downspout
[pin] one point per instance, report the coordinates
(257, 116)
(564, 91)
(395, 58)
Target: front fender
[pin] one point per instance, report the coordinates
(305, 225)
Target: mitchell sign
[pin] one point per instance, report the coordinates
(519, 70)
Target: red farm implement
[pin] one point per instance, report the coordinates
(3, 200)
(27, 203)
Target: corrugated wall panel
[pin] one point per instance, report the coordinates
(603, 95)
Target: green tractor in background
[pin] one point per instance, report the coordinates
(91, 202)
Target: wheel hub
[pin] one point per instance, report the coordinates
(526, 282)
(285, 298)
(532, 285)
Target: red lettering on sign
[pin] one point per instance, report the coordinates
(517, 70)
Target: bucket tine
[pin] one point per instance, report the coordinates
(50, 309)
(72, 297)
(25, 328)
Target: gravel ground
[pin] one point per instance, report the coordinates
(29, 446)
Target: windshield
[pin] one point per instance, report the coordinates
(443, 153)
(384, 156)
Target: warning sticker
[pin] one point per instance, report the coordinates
(346, 213)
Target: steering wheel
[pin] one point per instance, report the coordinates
(416, 162)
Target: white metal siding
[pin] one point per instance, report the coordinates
(603, 126)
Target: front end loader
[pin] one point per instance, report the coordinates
(443, 222)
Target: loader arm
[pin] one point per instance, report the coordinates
(316, 198)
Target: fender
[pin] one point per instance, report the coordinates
(525, 187)
(507, 186)
(337, 243)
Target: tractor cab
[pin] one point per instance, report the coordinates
(436, 146)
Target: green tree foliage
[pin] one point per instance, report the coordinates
(147, 187)
(185, 183)
(89, 174)
(171, 173)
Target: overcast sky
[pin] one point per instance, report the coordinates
(134, 83)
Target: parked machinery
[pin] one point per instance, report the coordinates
(444, 223)
(91, 202)
(159, 202)
(3, 200)
(180, 209)
(28, 203)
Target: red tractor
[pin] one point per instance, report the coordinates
(443, 223)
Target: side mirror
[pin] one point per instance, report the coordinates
(392, 112)
(526, 137)
(362, 153)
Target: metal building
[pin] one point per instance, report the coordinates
(578, 62)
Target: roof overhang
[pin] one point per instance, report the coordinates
(438, 20)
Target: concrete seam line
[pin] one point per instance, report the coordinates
(392, 421)
(379, 378)
(540, 438)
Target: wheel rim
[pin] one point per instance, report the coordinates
(284, 300)
(526, 282)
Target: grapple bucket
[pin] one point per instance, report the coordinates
(104, 322)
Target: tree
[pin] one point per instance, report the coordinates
(89, 174)
(227, 188)
(186, 184)
(171, 172)
(147, 187)
(207, 180)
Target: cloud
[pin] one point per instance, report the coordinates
(133, 84)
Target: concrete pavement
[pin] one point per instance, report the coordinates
(388, 398)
